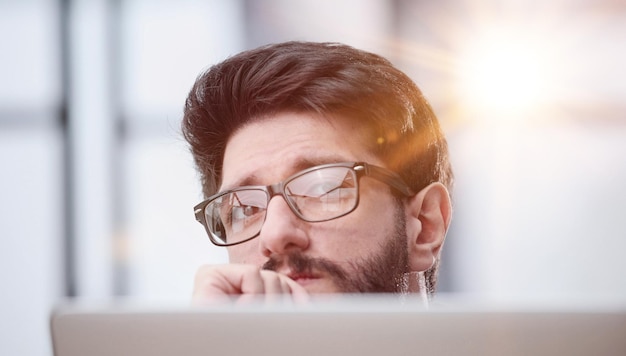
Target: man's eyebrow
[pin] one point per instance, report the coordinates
(246, 181)
(299, 165)
(308, 162)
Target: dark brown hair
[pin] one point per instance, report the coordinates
(322, 78)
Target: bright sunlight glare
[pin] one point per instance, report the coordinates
(503, 77)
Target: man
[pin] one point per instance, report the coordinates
(324, 171)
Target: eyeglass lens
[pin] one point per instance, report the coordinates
(317, 195)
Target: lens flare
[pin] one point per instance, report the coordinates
(502, 77)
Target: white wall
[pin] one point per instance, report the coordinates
(539, 212)
(31, 205)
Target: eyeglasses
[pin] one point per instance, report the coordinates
(316, 194)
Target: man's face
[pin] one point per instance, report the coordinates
(364, 251)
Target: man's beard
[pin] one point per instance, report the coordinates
(381, 272)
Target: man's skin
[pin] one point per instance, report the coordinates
(267, 151)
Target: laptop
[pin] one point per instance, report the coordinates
(365, 326)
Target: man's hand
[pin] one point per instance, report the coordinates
(215, 284)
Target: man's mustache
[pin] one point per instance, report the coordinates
(301, 264)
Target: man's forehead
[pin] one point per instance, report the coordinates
(275, 148)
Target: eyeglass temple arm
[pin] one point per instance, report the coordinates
(386, 176)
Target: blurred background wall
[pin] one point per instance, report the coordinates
(97, 186)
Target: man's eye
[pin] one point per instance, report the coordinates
(315, 189)
(243, 212)
(338, 187)
(250, 210)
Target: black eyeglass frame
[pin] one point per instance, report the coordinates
(360, 168)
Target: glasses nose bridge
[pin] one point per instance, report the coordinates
(279, 189)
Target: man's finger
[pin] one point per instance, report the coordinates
(221, 283)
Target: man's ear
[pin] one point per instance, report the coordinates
(428, 215)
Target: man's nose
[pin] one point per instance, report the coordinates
(282, 231)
